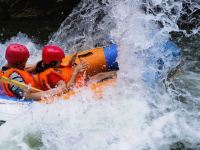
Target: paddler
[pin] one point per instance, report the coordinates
(49, 71)
(17, 56)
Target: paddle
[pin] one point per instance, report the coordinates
(18, 84)
(2, 122)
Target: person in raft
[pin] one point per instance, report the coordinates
(17, 56)
(49, 70)
(52, 57)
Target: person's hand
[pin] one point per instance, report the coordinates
(30, 68)
(61, 83)
(72, 62)
(82, 67)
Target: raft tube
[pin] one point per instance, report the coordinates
(100, 59)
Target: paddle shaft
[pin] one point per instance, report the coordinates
(18, 84)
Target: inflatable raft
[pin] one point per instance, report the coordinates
(100, 59)
(103, 59)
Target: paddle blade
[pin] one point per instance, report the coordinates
(2, 122)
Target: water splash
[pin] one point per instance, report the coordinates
(130, 115)
(24, 40)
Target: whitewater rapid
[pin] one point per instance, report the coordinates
(131, 115)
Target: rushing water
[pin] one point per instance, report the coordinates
(131, 115)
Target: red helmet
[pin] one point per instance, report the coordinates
(16, 53)
(52, 53)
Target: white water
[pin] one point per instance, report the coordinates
(130, 115)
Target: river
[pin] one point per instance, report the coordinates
(132, 115)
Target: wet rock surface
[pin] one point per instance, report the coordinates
(36, 18)
(189, 17)
(29, 9)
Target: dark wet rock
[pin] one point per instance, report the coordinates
(189, 17)
(23, 9)
(2, 122)
(3, 9)
(36, 18)
(178, 146)
(184, 145)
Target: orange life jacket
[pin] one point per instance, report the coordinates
(49, 78)
(27, 78)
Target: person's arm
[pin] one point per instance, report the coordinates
(61, 88)
(30, 68)
(49, 93)
(79, 68)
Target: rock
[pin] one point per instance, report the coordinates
(189, 16)
(33, 9)
(36, 18)
(3, 9)
(2, 122)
